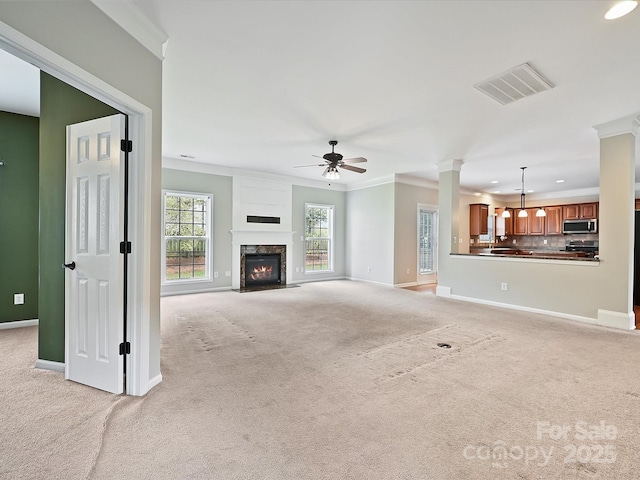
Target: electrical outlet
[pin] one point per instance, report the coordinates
(408, 271)
(471, 241)
(302, 238)
(514, 241)
(545, 241)
(227, 273)
(503, 286)
(369, 269)
(18, 299)
(215, 274)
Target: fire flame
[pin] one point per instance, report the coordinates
(261, 273)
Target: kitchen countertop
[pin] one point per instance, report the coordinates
(532, 254)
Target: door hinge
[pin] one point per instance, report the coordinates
(125, 247)
(125, 348)
(126, 146)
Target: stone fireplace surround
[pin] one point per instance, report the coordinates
(264, 239)
(262, 249)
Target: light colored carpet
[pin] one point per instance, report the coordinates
(338, 380)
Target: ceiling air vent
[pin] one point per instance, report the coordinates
(519, 82)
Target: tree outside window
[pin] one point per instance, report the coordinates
(318, 238)
(186, 236)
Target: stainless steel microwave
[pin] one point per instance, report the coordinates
(580, 226)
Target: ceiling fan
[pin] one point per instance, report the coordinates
(334, 160)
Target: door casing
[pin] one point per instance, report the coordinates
(141, 283)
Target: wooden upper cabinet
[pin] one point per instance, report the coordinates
(580, 210)
(588, 210)
(478, 219)
(535, 225)
(553, 220)
(520, 224)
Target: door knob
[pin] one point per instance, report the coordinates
(70, 266)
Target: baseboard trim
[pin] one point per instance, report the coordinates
(19, 324)
(569, 316)
(442, 291)
(155, 381)
(312, 280)
(49, 365)
(405, 285)
(373, 282)
(609, 318)
(190, 292)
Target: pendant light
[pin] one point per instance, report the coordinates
(522, 213)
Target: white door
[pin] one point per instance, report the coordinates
(94, 230)
(427, 245)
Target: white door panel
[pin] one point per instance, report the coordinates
(94, 230)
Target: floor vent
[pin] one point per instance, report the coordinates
(519, 82)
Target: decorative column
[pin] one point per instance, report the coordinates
(616, 221)
(448, 220)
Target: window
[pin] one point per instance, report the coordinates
(318, 245)
(427, 232)
(187, 237)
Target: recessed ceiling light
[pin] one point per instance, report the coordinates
(496, 191)
(559, 181)
(494, 181)
(620, 9)
(530, 191)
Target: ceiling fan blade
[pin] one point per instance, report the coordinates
(353, 169)
(312, 165)
(355, 160)
(325, 171)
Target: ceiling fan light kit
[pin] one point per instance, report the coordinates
(334, 160)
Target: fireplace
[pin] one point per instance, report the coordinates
(261, 269)
(263, 266)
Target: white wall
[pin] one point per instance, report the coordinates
(370, 233)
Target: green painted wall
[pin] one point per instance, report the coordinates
(60, 105)
(18, 216)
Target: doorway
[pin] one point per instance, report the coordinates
(427, 245)
(142, 365)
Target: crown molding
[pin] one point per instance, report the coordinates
(131, 19)
(619, 127)
(208, 168)
(375, 182)
(416, 181)
(453, 165)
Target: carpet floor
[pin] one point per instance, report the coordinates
(338, 380)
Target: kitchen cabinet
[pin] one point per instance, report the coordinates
(529, 225)
(520, 224)
(553, 220)
(580, 210)
(504, 226)
(535, 225)
(478, 219)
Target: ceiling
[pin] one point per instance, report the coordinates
(263, 85)
(19, 86)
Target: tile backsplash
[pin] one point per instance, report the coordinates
(536, 242)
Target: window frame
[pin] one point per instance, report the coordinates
(208, 277)
(330, 239)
